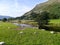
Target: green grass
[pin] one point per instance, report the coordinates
(56, 21)
(28, 37)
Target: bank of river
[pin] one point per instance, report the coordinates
(24, 25)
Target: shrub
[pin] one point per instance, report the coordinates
(4, 19)
(52, 28)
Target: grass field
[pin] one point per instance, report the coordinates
(55, 21)
(29, 36)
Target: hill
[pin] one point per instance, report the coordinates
(1, 17)
(53, 6)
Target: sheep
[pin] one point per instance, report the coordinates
(52, 32)
(43, 29)
(21, 32)
(2, 43)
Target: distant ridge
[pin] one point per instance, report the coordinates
(1, 17)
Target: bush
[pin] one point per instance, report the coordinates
(4, 19)
(52, 28)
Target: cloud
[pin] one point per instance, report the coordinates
(13, 10)
(19, 11)
(16, 8)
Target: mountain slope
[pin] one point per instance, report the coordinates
(1, 17)
(53, 6)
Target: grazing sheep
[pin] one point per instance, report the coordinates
(2, 43)
(52, 32)
(21, 32)
(43, 29)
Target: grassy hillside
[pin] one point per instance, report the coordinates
(52, 6)
(28, 36)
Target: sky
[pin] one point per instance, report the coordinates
(15, 8)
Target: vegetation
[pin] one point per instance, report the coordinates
(39, 16)
(54, 25)
(4, 19)
(42, 18)
(29, 36)
(55, 21)
(52, 6)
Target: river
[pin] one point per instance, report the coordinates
(24, 25)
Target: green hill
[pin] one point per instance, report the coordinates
(53, 6)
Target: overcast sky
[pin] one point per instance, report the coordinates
(16, 8)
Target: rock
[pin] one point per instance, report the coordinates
(2, 43)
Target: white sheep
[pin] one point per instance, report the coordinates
(43, 29)
(2, 43)
(52, 32)
(21, 32)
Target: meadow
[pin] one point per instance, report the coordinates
(55, 21)
(28, 36)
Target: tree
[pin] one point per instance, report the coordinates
(34, 15)
(54, 16)
(42, 18)
(4, 19)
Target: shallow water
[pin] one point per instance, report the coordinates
(23, 25)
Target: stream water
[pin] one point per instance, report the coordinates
(24, 25)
